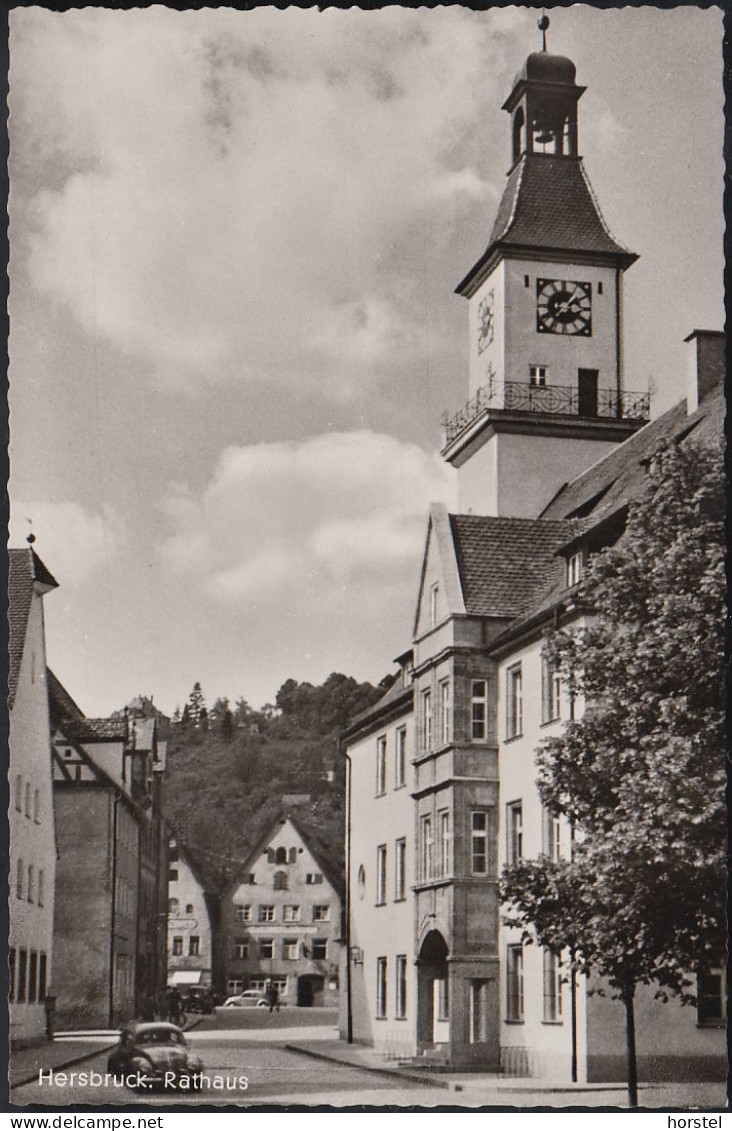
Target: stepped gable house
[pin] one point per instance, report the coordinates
(281, 919)
(550, 448)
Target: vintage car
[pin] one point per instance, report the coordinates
(247, 999)
(197, 999)
(155, 1050)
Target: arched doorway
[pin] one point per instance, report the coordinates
(433, 994)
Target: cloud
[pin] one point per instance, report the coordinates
(309, 532)
(73, 542)
(221, 195)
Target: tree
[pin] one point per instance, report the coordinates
(640, 775)
(196, 705)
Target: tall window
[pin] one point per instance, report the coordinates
(291, 913)
(400, 869)
(33, 976)
(319, 950)
(552, 987)
(478, 1019)
(434, 603)
(445, 712)
(381, 987)
(381, 765)
(177, 949)
(514, 832)
(19, 879)
(11, 974)
(381, 874)
(426, 845)
(241, 948)
(427, 720)
(194, 946)
(42, 974)
(479, 842)
(19, 793)
(514, 702)
(31, 895)
(574, 568)
(37, 806)
(280, 881)
(290, 949)
(479, 709)
(22, 986)
(445, 847)
(280, 856)
(711, 997)
(400, 759)
(243, 912)
(266, 913)
(537, 376)
(515, 983)
(551, 692)
(266, 948)
(550, 835)
(27, 799)
(173, 905)
(401, 987)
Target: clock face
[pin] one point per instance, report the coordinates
(563, 307)
(486, 320)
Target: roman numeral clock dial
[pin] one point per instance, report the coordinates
(563, 307)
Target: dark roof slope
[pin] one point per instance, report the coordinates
(61, 705)
(95, 730)
(548, 203)
(25, 568)
(505, 563)
(618, 477)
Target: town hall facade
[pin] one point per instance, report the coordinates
(549, 449)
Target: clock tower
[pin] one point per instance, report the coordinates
(547, 392)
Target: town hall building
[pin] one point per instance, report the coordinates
(550, 448)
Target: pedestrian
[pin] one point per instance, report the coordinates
(272, 997)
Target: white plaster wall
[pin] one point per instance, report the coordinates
(387, 930)
(187, 890)
(31, 926)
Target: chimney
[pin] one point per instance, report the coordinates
(706, 365)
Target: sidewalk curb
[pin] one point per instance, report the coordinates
(395, 1073)
(33, 1079)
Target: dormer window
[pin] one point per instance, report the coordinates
(574, 568)
(537, 376)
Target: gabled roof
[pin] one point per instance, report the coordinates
(313, 841)
(618, 477)
(506, 563)
(61, 705)
(548, 204)
(25, 571)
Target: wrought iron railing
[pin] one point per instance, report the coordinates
(551, 400)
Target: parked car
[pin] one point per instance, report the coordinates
(247, 999)
(156, 1050)
(198, 999)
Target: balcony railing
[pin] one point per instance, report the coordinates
(551, 400)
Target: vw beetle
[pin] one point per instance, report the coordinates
(155, 1050)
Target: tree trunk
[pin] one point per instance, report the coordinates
(628, 998)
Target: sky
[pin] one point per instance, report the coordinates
(235, 238)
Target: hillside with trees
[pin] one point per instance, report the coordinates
(232, 769)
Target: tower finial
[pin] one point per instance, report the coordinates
(543, 24)
(31, 537)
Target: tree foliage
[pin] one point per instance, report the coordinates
(640, 775)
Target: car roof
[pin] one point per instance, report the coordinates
(138, 1028)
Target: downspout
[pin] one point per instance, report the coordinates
(349, 998)
(115, 803)
(619, 336)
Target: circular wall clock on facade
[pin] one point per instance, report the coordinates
(486, 321)
(563, 307)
